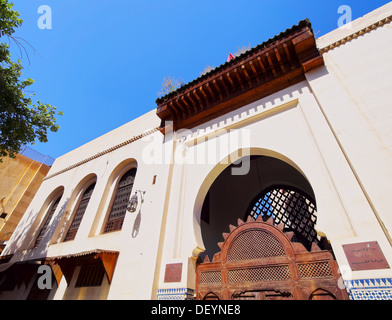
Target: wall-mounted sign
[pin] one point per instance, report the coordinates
(173, 272)
(365, 256)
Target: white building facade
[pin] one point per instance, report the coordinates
(299, 114)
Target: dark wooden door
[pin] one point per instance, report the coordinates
(258, 261)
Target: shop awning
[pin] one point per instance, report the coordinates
(21, 272)
(66, 264)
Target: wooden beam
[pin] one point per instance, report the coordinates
(193, 103)
(185, 112)
(171, 105)
(228, 76)
(271, 64)
(243, 68)
(289, 56)
(58, 274)
(252, 67)
(279, 60)
(210, 91)
(263, 70)
(204, 94)
(67, 268)
(180, 106)
(200, 100)
(109, 261)
(217, 89)
(239, 78)
(287, 51)
(254, 72)
(223, 82)
(189, 109)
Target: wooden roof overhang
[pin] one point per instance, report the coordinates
(65, 265)
(267, 68)
(22, 271)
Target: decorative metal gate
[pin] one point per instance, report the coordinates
(290, 206)
(258, 260)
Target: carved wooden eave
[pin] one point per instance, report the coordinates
(23, 271)
(267, 68)
(65, 265)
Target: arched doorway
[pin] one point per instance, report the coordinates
(275, 191)
(233, 196)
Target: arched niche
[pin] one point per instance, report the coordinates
(224, 197)
(108, 194)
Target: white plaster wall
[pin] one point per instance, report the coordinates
(354, 92)
(130, 129)
(135, 269)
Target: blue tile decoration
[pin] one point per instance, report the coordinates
(176, 294)
(370, 289)
(361, 289)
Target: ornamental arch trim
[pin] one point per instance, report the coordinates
(214, 173)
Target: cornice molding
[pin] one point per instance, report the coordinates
(100, 154)
(357, 34)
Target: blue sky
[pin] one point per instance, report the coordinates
(103, 61)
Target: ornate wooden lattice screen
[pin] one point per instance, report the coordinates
(291, 207)
(73, 229)
(259, 261)
(119, 206)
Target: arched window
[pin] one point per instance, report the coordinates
(293, 208)
(120, 201)
(49, 216)
(77, 219)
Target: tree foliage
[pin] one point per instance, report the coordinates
(22, 120)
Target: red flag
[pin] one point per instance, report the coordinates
(230, 57)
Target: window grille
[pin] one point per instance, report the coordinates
(255, 244)
(259, 274)
(292, 208)
(73, 229)
(315, 270)
(90, 275)
(119, 206)
(46, 223)
(211, 277)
